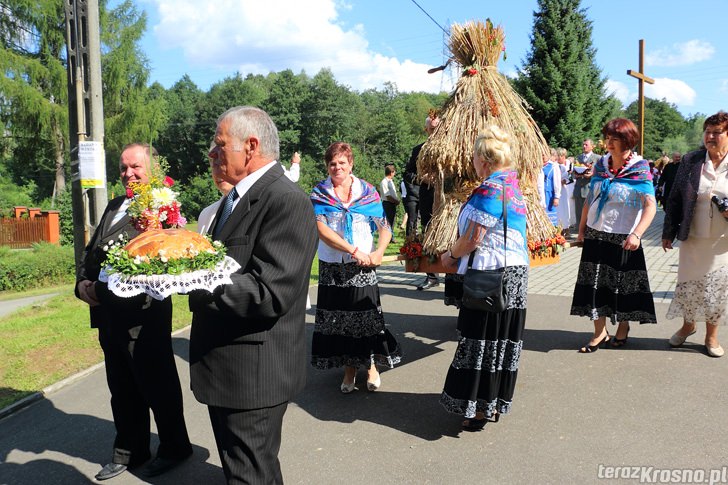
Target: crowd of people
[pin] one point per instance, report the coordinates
(248, 348)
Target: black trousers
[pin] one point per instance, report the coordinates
(141, 374)
(411, 208)
(427, 200)
(248, 441)
(390, 212)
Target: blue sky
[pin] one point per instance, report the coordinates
(368, 42)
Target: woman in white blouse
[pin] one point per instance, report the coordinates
(612, 280)
(349, 328)
(693, 216)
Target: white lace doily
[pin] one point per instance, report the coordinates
(160, 287)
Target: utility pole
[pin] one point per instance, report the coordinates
(86, 120)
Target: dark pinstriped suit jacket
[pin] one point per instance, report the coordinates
(94, 254)
(248, 340)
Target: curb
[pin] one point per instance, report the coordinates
(38, 395)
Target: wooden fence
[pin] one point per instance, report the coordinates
(28, 227)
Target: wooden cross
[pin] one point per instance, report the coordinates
(642, 79)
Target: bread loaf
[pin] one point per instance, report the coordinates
(170, 243)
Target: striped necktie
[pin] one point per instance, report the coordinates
(226, 210)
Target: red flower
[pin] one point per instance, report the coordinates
(168, 182)
(129, 193)
(472, 71)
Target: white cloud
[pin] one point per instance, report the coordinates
(683, 54)
(724, 86)
(619, 90)
(672, 90)
(258, 37)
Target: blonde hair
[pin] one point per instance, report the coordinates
(492, 146)
(561, 152)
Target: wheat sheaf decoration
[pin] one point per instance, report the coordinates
(482, 97)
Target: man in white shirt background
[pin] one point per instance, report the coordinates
(390, 200)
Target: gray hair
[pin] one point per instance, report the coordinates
(246, 121)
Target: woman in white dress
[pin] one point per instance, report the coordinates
(693, 215)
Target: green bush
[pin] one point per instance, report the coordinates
(43, 265)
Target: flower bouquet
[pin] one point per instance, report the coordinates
(163, 259)
(416, 261)
(547, 251)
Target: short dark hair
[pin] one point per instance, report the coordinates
(720, 119)
(339, 148)
(622, 129)
(389, 169)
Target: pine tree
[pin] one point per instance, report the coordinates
(560, 80)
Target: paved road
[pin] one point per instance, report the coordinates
(642, 405)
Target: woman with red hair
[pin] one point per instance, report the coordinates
(612, 280)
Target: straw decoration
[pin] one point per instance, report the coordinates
(482, 97)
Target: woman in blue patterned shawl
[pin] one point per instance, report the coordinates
(612, 280)
(482, 377)
(349, 329)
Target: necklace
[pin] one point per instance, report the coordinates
(348, 198)
(615, 171)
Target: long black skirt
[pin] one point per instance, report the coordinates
(482, 376)
(612, 282)
(349, 328)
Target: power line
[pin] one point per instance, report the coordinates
(430, 16)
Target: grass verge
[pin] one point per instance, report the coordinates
(51, 340)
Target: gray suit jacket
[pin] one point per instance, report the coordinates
(248, 339)
(680, 204)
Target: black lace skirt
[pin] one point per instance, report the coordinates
(349, 327)
(482, 376)
(612, 282)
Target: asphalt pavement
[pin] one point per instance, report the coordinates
(654, 412)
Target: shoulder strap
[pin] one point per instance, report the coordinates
(505, 233)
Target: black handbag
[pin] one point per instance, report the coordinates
(485, 290)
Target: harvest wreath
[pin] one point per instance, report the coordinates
(163, 259)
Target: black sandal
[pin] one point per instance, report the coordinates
(588, 349)
(473, 424)
(619, 342)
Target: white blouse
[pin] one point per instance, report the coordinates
(617, 216)
(361, 229)
(491, 254)
(712, 182)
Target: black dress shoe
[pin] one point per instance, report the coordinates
(161, 465)
(110, 470)
(430, 283)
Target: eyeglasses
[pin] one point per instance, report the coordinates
(612, 139)
(714, 133)
(214, 149)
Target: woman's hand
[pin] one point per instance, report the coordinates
(361, 258)
(375, 258)
(447, 260)
(632, 242)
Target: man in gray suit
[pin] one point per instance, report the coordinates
(248, 339)
(581, 181)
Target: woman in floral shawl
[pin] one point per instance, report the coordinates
(349, 329)
(612, 280)
(482, 377)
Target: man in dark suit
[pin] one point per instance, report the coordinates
(425, 193)
(135, 335)
(667, 179)
(248, 341)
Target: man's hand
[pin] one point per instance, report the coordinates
(87, 292)
(296, 158)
